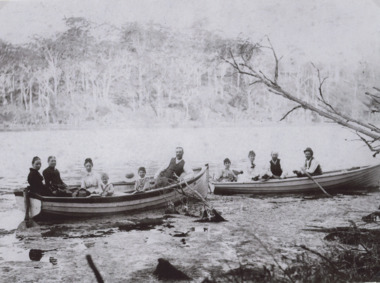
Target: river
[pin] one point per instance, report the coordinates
(56, 251)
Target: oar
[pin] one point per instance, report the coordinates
(205, 202)
(322, 189)
(28, 222)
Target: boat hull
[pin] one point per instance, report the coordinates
(127, 203)
(362, 178)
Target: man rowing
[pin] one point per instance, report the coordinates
(176, 169)
(312, 166)
(274, 169)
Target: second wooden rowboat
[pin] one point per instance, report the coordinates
(354, 179)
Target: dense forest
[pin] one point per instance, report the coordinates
(137, 72)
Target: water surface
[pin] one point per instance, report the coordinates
(56, 251)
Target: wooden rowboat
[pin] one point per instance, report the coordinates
(354, 179)
(119, 203)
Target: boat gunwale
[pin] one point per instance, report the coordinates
(119, 198)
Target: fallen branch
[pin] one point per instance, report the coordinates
(330, 113)
(99, 278)
(334, 267)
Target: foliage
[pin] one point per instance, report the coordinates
(111, 74)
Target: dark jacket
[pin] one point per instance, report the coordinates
(276, 168)
(52, 177)
(35, 181)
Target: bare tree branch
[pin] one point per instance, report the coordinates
(341, 121)
(371, 148)
(373, 124)
(294, 108)
(331, 113)
(276, 60)
(373, 96)
(236, 66)
(350, 119)
(255, 82)
(268, 79)
(321, 81)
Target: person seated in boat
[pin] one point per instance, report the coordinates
(90, 183)
(226, 175)
(142, 184)
(312, 165)
(251, 173)
(107, 188)
(274, 169)
(35, 179)
(176, 170)
(53, 179)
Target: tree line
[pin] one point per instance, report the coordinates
(104, 73)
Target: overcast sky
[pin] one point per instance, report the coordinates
(324, 30)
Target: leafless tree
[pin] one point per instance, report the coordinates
(242, 62)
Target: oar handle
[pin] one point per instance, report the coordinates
(27, 204)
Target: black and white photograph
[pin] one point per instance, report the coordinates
(189, 141)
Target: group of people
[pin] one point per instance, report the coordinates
(51, 184)
(272, 170)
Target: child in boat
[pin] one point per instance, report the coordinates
(227, 175)
(142, 184)
(107, 188)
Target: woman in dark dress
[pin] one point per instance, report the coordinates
(35, 178)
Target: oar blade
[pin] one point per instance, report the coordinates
(27, 224)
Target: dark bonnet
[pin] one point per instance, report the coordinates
(88, 160)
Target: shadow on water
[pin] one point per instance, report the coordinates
(37, 254)
(95, 227)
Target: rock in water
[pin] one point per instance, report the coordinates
(211, 216)
(217, 216)
(36, 254)
(166, 271)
